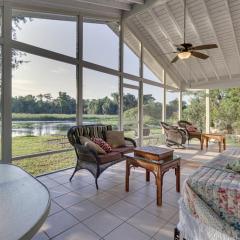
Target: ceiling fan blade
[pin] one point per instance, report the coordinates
(207, 46)
(175, 59)
(199, 55)
(167, 53)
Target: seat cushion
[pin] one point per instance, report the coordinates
(109, 157)
(123, 150)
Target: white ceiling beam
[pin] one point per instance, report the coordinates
(222, 83)
(216, 38)
(162, 30)
(45, 6)
(169, 69)
(105, 3)
(170, 15)
(140, 8)
(199, 38)
(157, 42)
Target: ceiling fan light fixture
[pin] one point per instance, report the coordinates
(184, 55)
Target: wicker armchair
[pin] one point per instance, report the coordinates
(174, 135)
(89, 159)
(190, 134)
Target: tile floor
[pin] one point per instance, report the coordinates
(80, 212)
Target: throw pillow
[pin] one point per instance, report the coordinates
(105, 146)
(191, 128)
(234, 166)
(115, 139)
(87, 142)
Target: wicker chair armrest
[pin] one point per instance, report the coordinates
(84, 153)
(133, 142)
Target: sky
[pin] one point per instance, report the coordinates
(100, 46)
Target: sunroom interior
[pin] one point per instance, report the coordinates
(85, 62)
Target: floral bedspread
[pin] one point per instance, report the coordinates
(212, 195)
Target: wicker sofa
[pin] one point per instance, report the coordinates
(88, 158)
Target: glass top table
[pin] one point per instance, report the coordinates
(24, 203)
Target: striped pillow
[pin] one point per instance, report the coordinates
(100, 142)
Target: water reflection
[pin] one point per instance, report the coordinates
(40, 128)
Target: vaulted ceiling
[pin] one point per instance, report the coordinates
(159, 25)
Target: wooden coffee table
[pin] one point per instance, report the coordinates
(220, 138)
(158, 168)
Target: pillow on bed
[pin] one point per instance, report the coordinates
(234, 166)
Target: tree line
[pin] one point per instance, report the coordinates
(65, 104)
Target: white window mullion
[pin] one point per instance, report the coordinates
(80, 70)
(121, 52)
(7, 86)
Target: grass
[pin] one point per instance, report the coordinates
(111, 119)
(45, 164)
(43, 117)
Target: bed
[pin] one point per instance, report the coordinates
(210, 204)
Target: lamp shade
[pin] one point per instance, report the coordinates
(184, 55)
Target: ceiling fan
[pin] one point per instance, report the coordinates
(186, 50)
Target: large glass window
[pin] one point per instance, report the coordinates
(151, 68)
(43, 106)
(100, 45)
(132, 52)
(101, 98)
(172, 107)
(152, 114)
(52, 33)
(130, 112)
(194, 108)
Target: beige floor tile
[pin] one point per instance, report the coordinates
(123, 209)
(69, 199)
(146, 222)
(165, 233)
(104, 200)
(83, 210)
(102, 223)
(54, 208)
(126, 232)
(40, 236)
(165, 212)
(75, 184)
(138, 199)
(58, 223)
(58, 191)
(78, 232)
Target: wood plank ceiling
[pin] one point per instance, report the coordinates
(160, 25)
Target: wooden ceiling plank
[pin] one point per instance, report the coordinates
(200, 40)
(155, 39)
(161, 28)
(216, 38)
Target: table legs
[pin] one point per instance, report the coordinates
(159, 187)
(177, 173)
(127, 176)
(147, 175)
